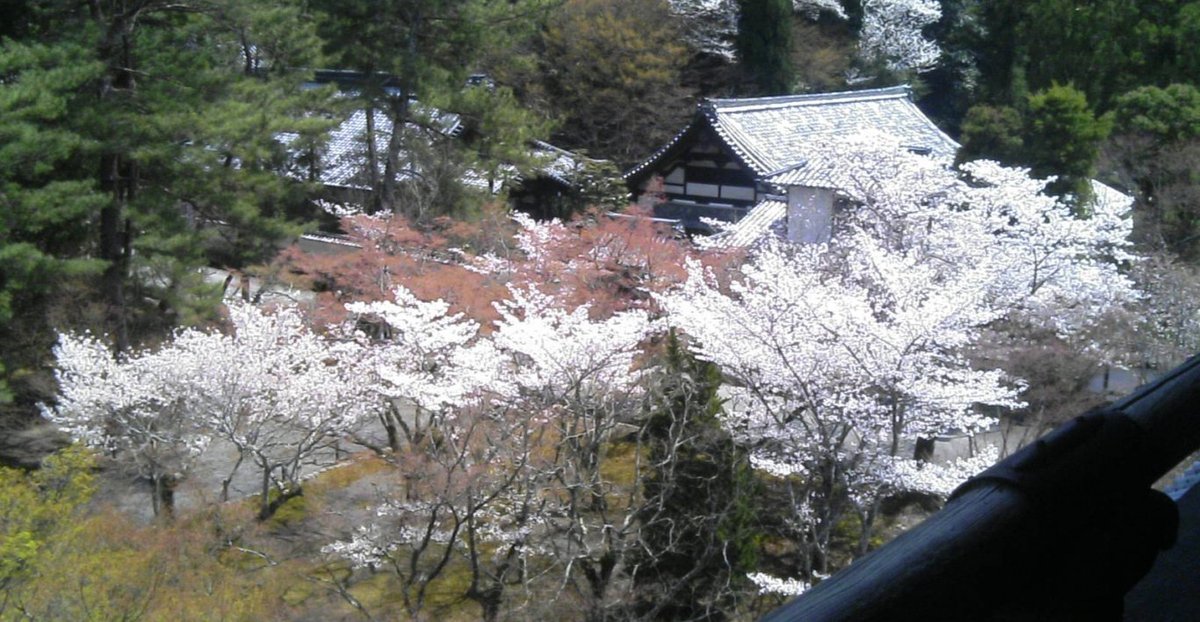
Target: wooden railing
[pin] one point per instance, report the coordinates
(1059, 530)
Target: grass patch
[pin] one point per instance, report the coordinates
(360, 465)
(620, 464)
(445, 597)
(289, 515)
(619, 470)
(378, 592)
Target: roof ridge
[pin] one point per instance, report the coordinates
(788, 168)
(751, 103)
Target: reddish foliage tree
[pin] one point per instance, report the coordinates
(612, 262)
(379, 253)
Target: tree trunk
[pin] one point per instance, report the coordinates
(388, 418)
(113, 242)
(229, 480)
(163, 496)
(268, 510)
(118, 179)
(598, 576)
(389, 193)
(867, 529)
(264, 508)
(373, 163)
(489, 602)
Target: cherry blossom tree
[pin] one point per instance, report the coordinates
(275, 391)
(135, 409)
(425, 362)
(892, 33)
(580, 374)
(842, 353)
(709, 26)
(514, 459)
(473, 498)
(458, 446)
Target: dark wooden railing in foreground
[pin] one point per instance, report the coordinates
(1059, 530)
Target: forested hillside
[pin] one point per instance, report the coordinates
(464, 413)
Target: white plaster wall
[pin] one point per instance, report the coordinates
(810, 215)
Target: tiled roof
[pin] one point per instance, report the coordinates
(1109, 196)
(559, 164)
(346, 152)
(773, 133)
(555, 163)
(760, 221)
(345, 155)
(658, 155)
(812, 174)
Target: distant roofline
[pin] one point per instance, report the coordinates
(709, 113)
(633, 175)
(786, 169)
(758, 103)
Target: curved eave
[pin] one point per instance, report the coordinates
(951, 145)
(641, 172)
(737, 141)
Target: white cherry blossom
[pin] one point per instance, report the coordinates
(838, 355)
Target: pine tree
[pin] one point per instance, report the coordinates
(196, 164)
(140, 140)
(415, 56)
(47, 199)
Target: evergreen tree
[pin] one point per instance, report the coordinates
(764, 44)
(499, 132)
(139, 140)
(697, 536)
(992, 132)
(1170, 114)
(949, 87)
(46, 197)
(1154, 151)
(425, 50)
(1104, 47)
(1063, 137)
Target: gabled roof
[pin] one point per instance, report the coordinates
(770, 133)
(817, 174)
(667, 151)
(774, 134)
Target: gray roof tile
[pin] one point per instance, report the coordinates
(773, 133)
(762, 219)
(346, 153)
